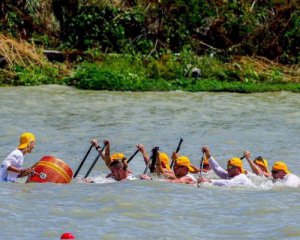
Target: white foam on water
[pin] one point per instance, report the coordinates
(64, 121)
(99, 179)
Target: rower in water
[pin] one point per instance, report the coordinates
(183, 169)
(206, 167)
(259, 165)
(162, 166)
(233, 176)
(119, 170)
(281, 173)
(117, 162)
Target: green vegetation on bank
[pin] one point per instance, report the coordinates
(239, 45)
(169, 72)
(173, 72)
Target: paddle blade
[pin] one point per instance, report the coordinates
(154, 157)
(179, 144)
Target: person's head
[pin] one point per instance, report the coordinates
(27, 142)
(234, 167)
(261, 163)
(164, 159)
(119, 169)
(279, 170)
(206, 166)
(182, 166)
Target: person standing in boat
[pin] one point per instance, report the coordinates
(233, 176)
(281, 173)
(11, 167)
(259, 165)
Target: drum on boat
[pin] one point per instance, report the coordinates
(51, 169)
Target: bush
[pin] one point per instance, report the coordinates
(98, 77)
(36, 75)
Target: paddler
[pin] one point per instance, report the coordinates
(206, 167)
(233, 176)
(281, 173)
(11, 167)
(117, 163)
(162, 166)
(183, 169)
(259, 165)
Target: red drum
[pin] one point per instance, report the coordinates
(51, 169)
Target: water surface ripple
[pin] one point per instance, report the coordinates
(65, 119)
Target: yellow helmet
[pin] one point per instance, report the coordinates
(25, 139)
(185, 161)
(280, 166)
(165, 160)
(117, 156)
(235, 161)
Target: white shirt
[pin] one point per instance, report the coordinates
(291, 180)
(221, 172)
(15, 159)
(239, 180)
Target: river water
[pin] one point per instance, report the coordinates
(64, 120)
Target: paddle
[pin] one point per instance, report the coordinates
(177, 150)
(201, 168)
(154, 150)
(154, 154)
(96, 159)
(133, 155)
(83, 160)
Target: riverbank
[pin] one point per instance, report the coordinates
(142, 46)
(28, 65)
(185, 72)
(182, 71)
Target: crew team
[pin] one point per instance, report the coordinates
(183, 171)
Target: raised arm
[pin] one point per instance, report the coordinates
(106, 156)
(221, 172)
(255, 169)
(143, 151)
